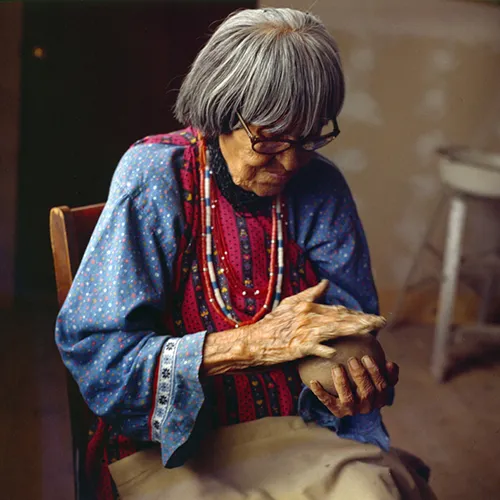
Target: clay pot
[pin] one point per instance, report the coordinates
(357, 346)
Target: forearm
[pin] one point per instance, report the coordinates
(229, 350)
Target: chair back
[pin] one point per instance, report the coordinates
(70, 232)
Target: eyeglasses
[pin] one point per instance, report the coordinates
(271, 146)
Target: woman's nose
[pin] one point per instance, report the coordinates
(290, 159)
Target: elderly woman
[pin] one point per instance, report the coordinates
(222, 256)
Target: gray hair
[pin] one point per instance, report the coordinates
(279, 68)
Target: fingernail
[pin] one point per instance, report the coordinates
(354, 363)
(368, 362)
(337, 370)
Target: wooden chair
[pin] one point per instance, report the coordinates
(70, 232)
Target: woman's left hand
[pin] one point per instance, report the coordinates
(372, 388)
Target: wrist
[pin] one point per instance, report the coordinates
(229, 350)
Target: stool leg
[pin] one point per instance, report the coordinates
(449, 281)
(394, 316)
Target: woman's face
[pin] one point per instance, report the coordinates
(264, 175)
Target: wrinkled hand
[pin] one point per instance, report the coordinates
(298, 326)
(372, 388)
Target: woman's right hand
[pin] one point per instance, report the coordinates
(295, 329)
(298, 326)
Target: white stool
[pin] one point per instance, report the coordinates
(468, 174)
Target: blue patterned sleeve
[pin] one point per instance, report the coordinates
(110, 331)
(325, 223)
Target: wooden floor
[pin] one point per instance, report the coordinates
(455, 427)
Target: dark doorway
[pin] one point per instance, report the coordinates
(95, 78)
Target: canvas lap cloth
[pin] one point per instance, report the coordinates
(274, 458)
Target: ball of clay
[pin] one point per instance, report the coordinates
(351, 346)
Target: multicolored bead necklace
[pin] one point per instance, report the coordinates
(209, 276)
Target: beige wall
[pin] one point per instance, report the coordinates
(419, 75)
(10, 72)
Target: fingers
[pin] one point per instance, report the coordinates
(392, 373)
(369, 322)
(330, 401)
(370, 388)
(323, 351)
(361, 322)
(365, 388)
(378, 379)
(343, 388)
(331, 329)
(325, 397)
(313, 293)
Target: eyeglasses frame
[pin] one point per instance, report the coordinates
(254, 139)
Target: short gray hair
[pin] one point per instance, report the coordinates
(279, 68)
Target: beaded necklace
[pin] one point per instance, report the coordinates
(208, 272)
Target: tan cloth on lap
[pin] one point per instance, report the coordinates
(279, 458)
